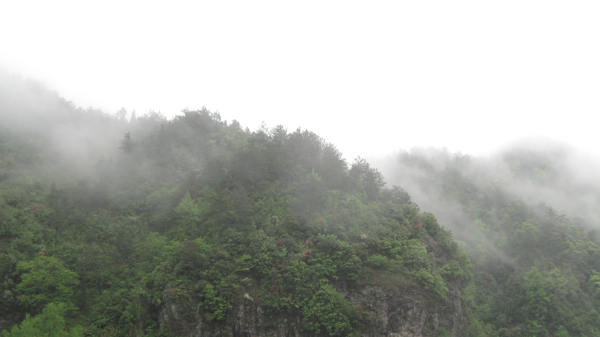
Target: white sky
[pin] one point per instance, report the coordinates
(372, 76)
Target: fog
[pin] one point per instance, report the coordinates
(47, 140)
(487, 83)
(67, 140)
(371, 79)
(536, 171)
(484, 113)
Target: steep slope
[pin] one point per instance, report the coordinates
(536, 266)
(194, 226)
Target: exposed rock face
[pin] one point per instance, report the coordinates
(402, 313)
(168, 314)
(394, 313)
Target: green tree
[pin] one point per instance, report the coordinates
(50, 323)
(595, 280)
(216, 305)
(366, 178)
(538, 297)
(327, 311)
(310, 196)
(127, 144)
(45, 280)
(189, 215)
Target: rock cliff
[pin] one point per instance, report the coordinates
(394, 312)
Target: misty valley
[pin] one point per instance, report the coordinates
(138, 225)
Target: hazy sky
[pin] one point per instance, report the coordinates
(371, 76)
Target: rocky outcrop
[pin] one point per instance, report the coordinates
(404, 313)
(398, 312)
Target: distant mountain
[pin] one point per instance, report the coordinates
(528, 218)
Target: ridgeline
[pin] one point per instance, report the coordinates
(195, 226)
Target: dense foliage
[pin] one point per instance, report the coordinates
(536, 270)
(103, 220)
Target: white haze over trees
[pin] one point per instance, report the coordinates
(509, 79)
(369, 77)
(373, 80)
(534, 171)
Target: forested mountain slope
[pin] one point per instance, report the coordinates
(194, 226)
(528, 219)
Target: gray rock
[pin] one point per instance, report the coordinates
(396, 312)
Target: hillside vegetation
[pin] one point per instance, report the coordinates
(528, 219)
(106, 222)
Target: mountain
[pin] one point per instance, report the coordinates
(528, 220)
(145, 226)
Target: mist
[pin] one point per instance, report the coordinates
(66, 140)
(537, 171)
(368, 78)
(527, 206)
